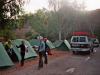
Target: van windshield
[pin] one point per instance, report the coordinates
(75, 39)
(82, 39)
(79, 39)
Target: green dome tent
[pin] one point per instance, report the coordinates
(67, 44)
(62, 45)
(4, 57)
(36, 42)
(29, 54)
(50, 44)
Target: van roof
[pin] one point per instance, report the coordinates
(81, 33)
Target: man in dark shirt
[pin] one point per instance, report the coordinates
(23, 49)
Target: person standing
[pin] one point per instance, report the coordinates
(22, 52)
(42, 53)
(47, 47)
(46, 50)
(9, 48)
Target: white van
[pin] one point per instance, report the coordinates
(81, 43)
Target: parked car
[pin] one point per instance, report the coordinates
(81, 43)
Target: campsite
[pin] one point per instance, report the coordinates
(15, 57)
(49, 37)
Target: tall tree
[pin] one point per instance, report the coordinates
(9, 11)
(55, 5)
(68, 15)
(39, 21)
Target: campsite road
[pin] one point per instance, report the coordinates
(73, 65)
(67, 65)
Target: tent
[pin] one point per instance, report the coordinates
(50, 44)
(67, 44)
(4, 57)
(57, 43)
(36, 42)
(29, 54)
(62, 45)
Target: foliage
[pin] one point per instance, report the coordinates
(9, 11)
(7, 34)
(38, 21)
(30, 35)
(63, 19)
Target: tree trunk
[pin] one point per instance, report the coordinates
(60, 35)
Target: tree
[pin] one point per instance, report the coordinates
(94, 17)
(55, 5)
(9, 11)
(68, 15)
(39, 21)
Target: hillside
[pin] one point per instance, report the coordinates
(20, 33)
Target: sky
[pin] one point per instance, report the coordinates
(34, 5)
(93, 4)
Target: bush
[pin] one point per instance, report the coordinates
(30, 35)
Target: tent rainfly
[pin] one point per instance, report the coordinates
(62, 45)
(29, 54)
(36, 42)
(4, 57)
(50, 44)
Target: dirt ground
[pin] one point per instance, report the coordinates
(31, 62)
